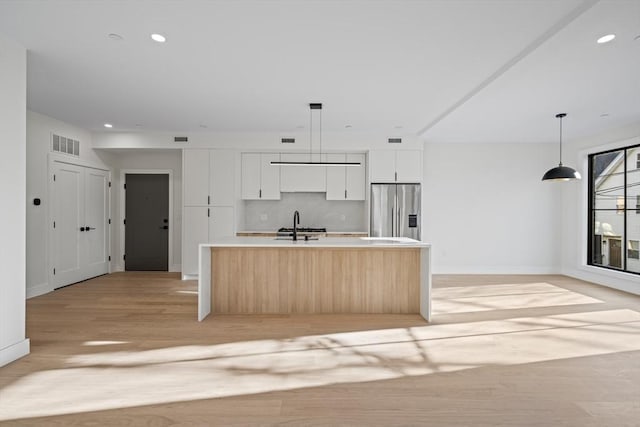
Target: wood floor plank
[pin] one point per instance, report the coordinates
(126, 349)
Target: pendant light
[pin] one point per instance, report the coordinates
(314, 106)
(560, 172)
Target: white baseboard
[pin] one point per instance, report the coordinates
(496, 270)
(175, 268)
(189, 277)
(37, 290)
(14, 352)
(611, 279)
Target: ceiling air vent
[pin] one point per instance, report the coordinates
(395, 140)
(180, 139)
(62, 144)
(288, 140)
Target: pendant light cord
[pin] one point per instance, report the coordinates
(310, 135)
(560, 140)
(320, 152)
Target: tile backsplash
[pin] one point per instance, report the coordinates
(315, 211)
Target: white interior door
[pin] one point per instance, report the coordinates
(68, 217)
(80, 238)
(95, 238)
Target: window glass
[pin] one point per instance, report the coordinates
(614, 208)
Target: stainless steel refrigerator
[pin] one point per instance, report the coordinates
(395, 210)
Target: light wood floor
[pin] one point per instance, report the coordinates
(126, 349)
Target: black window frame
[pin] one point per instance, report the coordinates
(628, 207)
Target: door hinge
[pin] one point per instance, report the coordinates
(125, 186)
(109, 257)
(124, 257)
(124, 221)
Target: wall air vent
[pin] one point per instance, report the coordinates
(62, 144)
(180, 139)
(288, 140)
(395, 140)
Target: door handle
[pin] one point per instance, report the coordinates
(164, 227)
(89, 228)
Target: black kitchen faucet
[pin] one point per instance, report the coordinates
(296, 222)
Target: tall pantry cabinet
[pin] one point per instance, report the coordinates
(208, 201)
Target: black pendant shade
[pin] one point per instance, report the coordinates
(560, 172)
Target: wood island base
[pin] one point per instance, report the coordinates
(315, 280)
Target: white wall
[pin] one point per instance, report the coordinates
(13, 106)
(574, 210)
(39, 130)
(147, 160)
(486, 210)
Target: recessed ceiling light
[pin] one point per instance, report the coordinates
(116, 37)
(348, 126)
(108, 125)
(604, 115)
(606, 39)
(158, 38)
(203, 126)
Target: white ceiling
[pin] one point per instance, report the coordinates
(447, 70)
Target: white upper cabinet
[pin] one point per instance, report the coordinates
(395, 166)
(346, 182)
(221, 177)
(208, 177)
(260, 180)
(195, 167)
(409, 166)
(269, 177)
(302, 178)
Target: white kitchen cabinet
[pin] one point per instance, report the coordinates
(208, 177)
(346, 183)
(395, 166)
(260, 180)
(221, 177)
(409, 166)
(195, 172)
(203, 225)
(302, 178)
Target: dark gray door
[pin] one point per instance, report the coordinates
(147, 222)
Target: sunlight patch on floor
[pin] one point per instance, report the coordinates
(470, 299)
(120, 379)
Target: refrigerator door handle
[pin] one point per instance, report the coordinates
(393, 230)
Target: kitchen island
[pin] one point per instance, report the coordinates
(261, 275)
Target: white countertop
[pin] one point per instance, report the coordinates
(337, 242)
